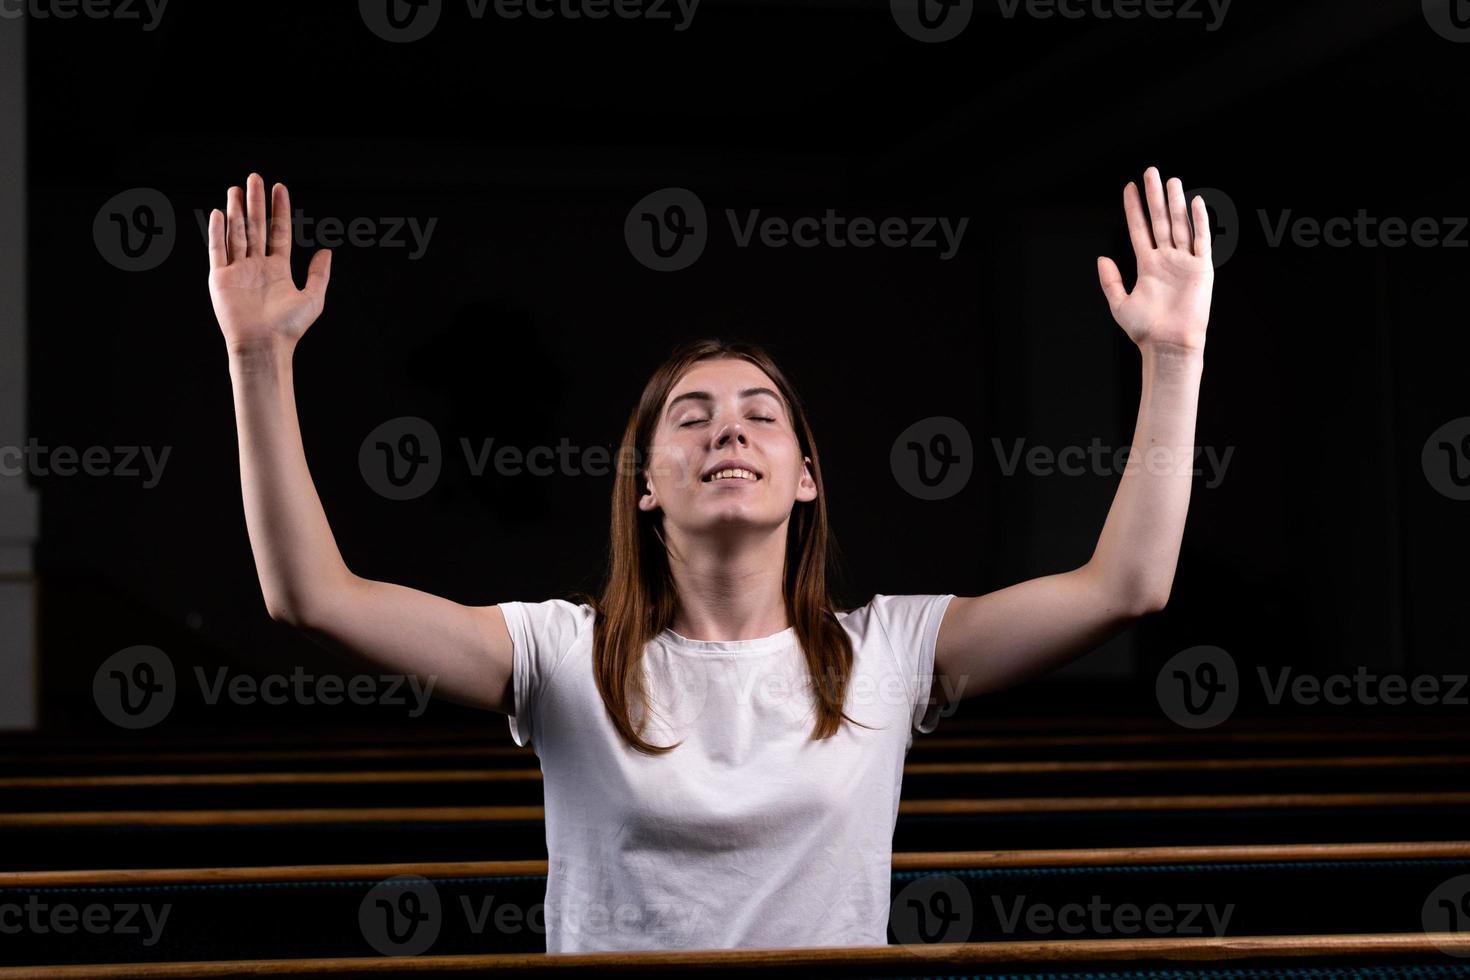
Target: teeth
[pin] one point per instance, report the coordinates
(735, 474)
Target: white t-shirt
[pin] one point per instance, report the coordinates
(750, 833)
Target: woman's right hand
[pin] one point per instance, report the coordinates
(255, 300)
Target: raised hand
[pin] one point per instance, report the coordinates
(255, 300)
(1170, 304)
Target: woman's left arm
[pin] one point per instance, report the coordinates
(996, 640)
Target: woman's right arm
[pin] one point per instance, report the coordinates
(465, 650)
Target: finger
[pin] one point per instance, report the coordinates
(280, 221)
(1202, 241)
(219, 257)
(1112, 281)
(255, 214)
(317, 275)
(1137, 224)
(1158, 210)
(1178, 216)
(235, 213)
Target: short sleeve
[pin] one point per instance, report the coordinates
(541, 633)
(911, 624)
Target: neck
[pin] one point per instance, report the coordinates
(729, 588)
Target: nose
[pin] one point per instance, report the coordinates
(731, 430)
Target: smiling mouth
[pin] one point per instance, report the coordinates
(732, 475)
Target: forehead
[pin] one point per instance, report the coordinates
(722, 378)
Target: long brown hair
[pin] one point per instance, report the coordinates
(638, 594)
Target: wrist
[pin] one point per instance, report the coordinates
(1173, 357)
(255, 357)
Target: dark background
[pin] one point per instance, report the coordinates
(528, 320)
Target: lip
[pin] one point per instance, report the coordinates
(731, 464)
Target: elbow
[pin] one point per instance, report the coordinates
(1145, 603)
(283, 612)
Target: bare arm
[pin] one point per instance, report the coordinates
(464, 650)
(997, 640)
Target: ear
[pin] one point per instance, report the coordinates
(806, 487)
(648, 500)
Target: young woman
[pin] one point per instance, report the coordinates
(722, 748)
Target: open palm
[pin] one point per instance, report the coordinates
(1170, 303)
(255, 300)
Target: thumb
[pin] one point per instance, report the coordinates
(317, 275)
(1111, 280)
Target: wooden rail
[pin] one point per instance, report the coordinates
(524, 774)
(490, 814)
(145, 755)
(824, 961)
(910, 861)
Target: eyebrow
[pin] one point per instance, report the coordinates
(707, 397)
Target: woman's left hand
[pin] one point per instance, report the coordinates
(1170, 304)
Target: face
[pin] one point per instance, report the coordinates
(725, 452)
